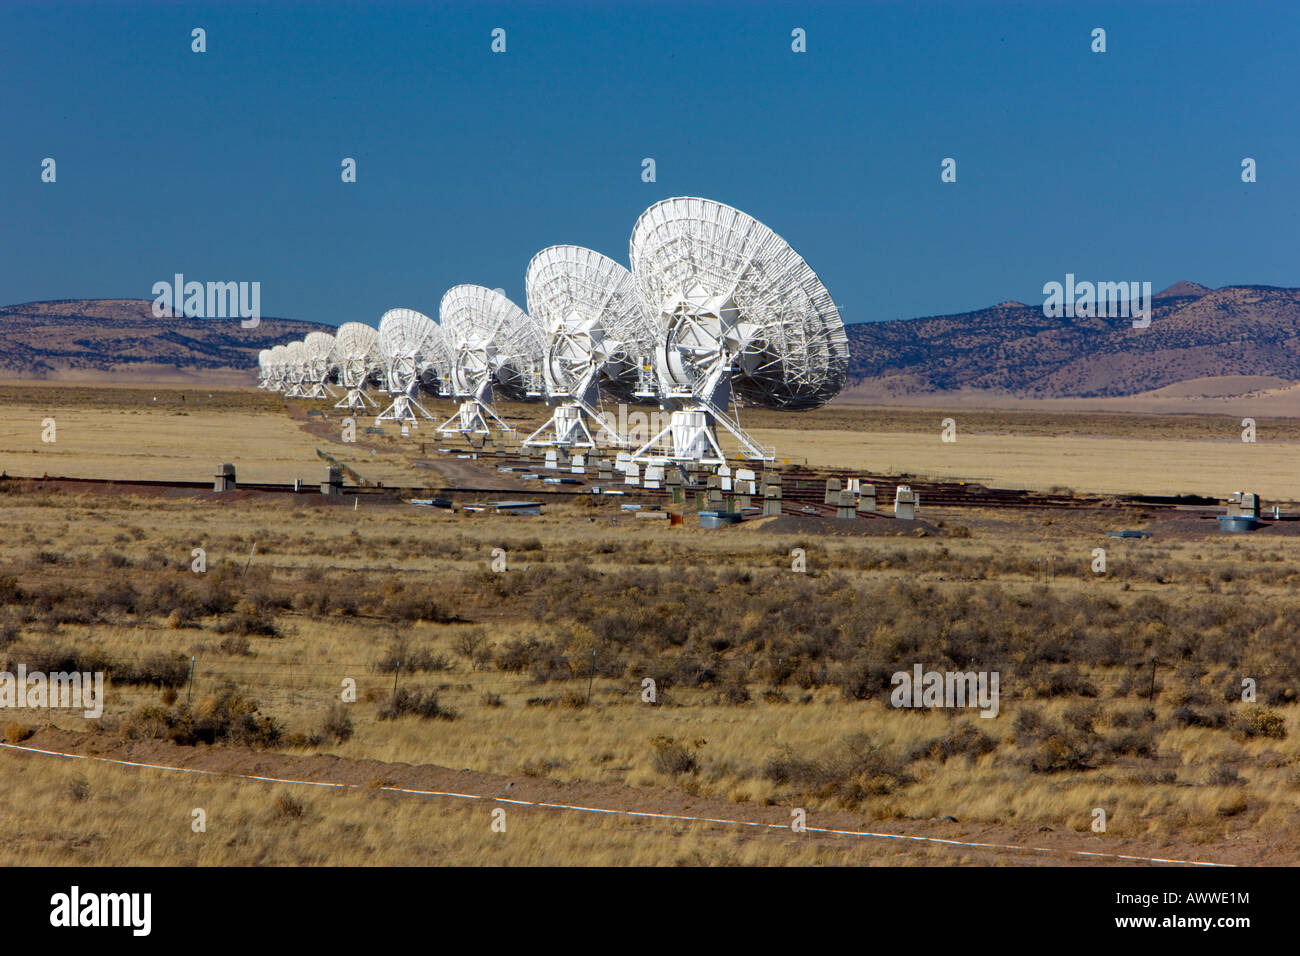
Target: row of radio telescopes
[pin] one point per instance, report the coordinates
(717, 309)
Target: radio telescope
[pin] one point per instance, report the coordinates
(295, 369)
(275, 368)
(318, 349)
(594, 333)
(493, 346)
(264, 369)
(357, 352)
(738, 313)
(408, 344)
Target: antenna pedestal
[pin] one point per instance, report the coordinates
(356, 400)
(472, 419)
(403, 410)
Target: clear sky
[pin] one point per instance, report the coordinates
(225, 165)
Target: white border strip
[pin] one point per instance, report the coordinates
(626, 813)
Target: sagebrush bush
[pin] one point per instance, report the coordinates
(416, 703)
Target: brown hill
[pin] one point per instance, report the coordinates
(92, 339)
(1009, 349)
(1014, 349)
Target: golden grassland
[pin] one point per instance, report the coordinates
(515, 724)
(756, 706)
(94, 814)
(181, 434)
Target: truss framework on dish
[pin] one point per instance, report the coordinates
(594, 335)
(494, 348)
(356, 350)
(264, 369)
(411, 348)
(295, 370)
(318, 353)
(738, 314)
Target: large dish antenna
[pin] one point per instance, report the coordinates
(409, 344)
(264, 369)
(295, 370)
(356, 348)
(318, 348)
(494, 347)
(738, 313)
(275, 371)
(594, 334)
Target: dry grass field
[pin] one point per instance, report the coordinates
(1120, 691)
(181, 434)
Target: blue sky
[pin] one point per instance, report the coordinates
(226, 165)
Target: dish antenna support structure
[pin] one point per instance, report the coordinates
(493, 346)
(739, 315)
(295, 370)
(408, 342)
(264, 369)
(275, 369)
(357, 352)
(594, 332)
(318, 350)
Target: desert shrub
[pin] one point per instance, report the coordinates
(402, 656)
(734, 692)
(549, 664)
(236, 645)
(16, 733)
(674, 757)
(1212, 717)
(1132, 743)
(248, 620)
(225, 717)
(1261, 722)
(960, 740)
(416, 703)
(79, 789)
(1224, 775)
(1061, 750)
(1081, 717)
(288, 807)
(516, 655)
(10, 592)
(857, 768)
(1062, 681)
(403, 605)
(468, 643)
(338, 723)
(157, 670)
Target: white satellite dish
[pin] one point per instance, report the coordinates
(494, 347)
(594, 333)
(295, 370)
(356, 348)
(318, 349)
(408, 343)
(264, 369)
(738, 314)
(275, 369)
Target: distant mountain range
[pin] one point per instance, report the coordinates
(1014, 348)
(1010, 348)
(97, 339)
